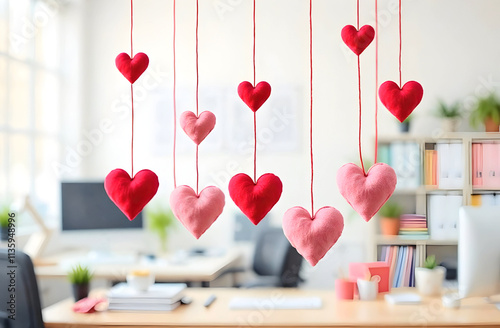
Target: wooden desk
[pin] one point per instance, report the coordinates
(474, 312)
(194, 269)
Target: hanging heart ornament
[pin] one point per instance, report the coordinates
(401, 101)
(132, 68)
(256, 96)
(356, 40)
(197, 127)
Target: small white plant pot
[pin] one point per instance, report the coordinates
(429, 282)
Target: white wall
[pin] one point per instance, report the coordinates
(449, 46)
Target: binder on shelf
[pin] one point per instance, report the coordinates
(412, 165)
(398, 163)
(453, 204)
(456, 173)
(444, 165)
(490, 165)
(477, 165)
(384, 154)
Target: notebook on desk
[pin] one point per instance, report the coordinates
(284, 303)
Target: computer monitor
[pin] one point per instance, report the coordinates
(86, 206)
(479, 251)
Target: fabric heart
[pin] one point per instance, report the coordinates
(131, 194)
(197, 212)
(133, 68)
(197, 127)
(356, 40)
(366, 194)
(401, 102)
(254, 97)
(255, 200)
(313, 237)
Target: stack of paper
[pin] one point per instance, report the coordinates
(159, 297)
(413, 225)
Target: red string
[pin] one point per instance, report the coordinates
(132, 87)
(132, 139)
(254, 113)
(174, 99)
(131, 27)
(400, 46)
(311, 108)
(376, 80)
(197, 93)
(357, 15)
(254, 43)
(359, 124)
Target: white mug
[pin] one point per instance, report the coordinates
(140, 282)
(367, 289)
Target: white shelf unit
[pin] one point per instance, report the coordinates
(415, 199)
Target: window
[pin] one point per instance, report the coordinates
(30, 97)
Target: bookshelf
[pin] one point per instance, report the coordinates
(437, 175)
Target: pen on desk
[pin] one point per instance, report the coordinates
(210, 300)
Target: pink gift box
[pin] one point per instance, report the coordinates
(359, 270)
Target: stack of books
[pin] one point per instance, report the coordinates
(159, 297)
(413, 225)
(401, 260)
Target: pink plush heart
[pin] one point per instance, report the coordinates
(197, 212)
(255, 200)
(313, 237)
(401, 102)
(254, 97)
(132, 68)
(197, 128)
(131, 194)
(366, 194)
(356, 40)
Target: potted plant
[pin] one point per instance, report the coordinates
(80, 277)
(487, 111)
(451, 115)
(389, 218)
(429, 278)
(404, 126)
(160, 221)
(4, 223)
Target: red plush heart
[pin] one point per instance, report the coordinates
(197, 212)
(255, 200)
(197, 128)
(401, 102)
(356, 40)
(366, 194)
(313, 237)
(254, 97)
(133, 68)
(131, 194)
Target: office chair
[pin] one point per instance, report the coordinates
(275, 261)
(28, 312)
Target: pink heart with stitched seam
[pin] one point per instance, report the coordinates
(197, 127)
(401, 102)
(356, 40)
(313, 237)
(197, 212)
(132, 68)
(131, 194)
(256, 96)
(366, 194)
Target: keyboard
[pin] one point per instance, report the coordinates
(279, 303)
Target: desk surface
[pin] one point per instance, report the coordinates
(474, 312)
(194, 268)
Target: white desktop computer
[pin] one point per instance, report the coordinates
(479, 251)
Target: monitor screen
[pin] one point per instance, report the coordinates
(86, 206)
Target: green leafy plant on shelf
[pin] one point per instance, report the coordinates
(390, 210)
(80, 275)
(430, 262)
(487, 111)
(160, 221)
(449, 111)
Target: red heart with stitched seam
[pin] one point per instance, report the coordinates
(131, 194)
(133, 68)
(197, 212)
(356, 40)
(366, 193)
(197, 127)
(401, 102)
(254, 97)
(255, 200)
(313, 237)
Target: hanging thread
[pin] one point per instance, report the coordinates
(376, 81)
(254, 113)
(311, 104)
(174, 92)
(197, 95)
(132, 87)
(359, 97)
(400, 46)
